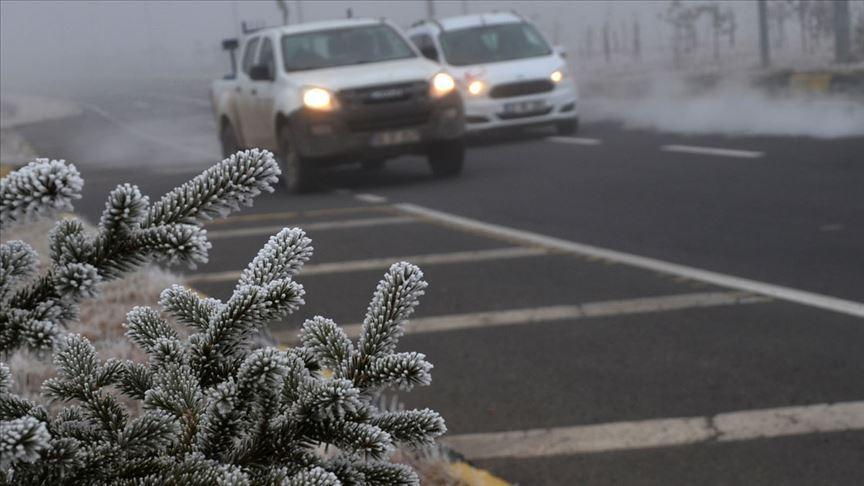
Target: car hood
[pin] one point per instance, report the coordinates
(509, 71)
(359, 75)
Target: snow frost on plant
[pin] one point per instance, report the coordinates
(215, 409)
(131, 232)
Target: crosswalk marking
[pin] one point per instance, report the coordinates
(535, 315)
(665, 432)
(693, 149)
(309, 227)
(384, 263)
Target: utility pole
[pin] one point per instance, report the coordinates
(841, 31)
(430, 9)
(763, 32)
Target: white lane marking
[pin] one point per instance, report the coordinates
(693, 149)
(575, 140)
(319, 226)
(644, 434)
(513, 317)
(535, 239)
(370, 198)
(384, 263)
(147, 136)
(204, 103)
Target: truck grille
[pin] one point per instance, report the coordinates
(387, 106)
(384, 94)
(521, 88)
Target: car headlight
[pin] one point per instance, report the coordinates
(318, 99)
(556, 76)
(442, 84)
(475, 87)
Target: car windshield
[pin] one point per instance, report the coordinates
(492, 43)
(342, 47)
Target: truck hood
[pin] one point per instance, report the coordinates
(509, 71)
(359, 75)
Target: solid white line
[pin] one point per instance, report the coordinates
(319, 226)
(148, 136)
(204, 103)
(575, 140)
(692, 149)
(384, 263)
(370, 198)
(526, 237)
(645, 434)
(513, 317)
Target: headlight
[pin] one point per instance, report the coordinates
(318, 99)
(557, 76)
(475, 87)
(442, 84)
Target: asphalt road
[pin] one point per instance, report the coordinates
(555, 365)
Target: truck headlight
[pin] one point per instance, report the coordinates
(442, 84)
(318, 99)
(475, 87)
(556, 76)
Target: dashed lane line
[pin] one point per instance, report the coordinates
(575, 140)
(811, 299)
(514, 317)
(384, 263)
(317, 226)
(693, 149)
(666, 432)
(370, 198)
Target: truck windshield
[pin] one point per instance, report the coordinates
(342, 47)
(492, 43)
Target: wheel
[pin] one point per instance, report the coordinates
(447, 157)
(299, 174)
(373, 165)
(569, 127)
(228, 140)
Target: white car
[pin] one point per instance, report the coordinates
(325, 93)
(507, 71)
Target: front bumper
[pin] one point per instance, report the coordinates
(347, 135)
(484, 113)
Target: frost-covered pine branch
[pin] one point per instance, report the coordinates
(218, 411)
(39, 189)
(131, 232)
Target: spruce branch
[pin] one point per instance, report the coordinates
(39, 189)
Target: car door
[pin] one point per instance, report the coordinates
(246, 100)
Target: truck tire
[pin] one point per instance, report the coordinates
(569, 127)
(447, 157)
(373, 165)
(228, 140)
(299, 174)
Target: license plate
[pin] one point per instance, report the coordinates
(395, 137)
(524, 107)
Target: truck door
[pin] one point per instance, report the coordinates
(245, 99)
(265, 131)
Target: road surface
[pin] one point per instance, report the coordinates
(620, 307)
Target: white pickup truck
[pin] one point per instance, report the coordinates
(327, 93)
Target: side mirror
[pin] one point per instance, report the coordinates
(260, 72)
(429, 52)
(561, 51)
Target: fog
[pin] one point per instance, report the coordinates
(69, 48)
